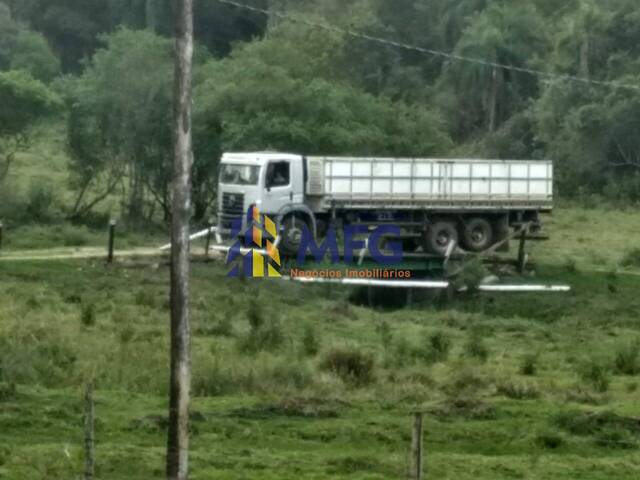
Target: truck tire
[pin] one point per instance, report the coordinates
(438, 236)
(292, 228)
(477, 234)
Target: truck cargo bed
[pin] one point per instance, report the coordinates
(463, 184)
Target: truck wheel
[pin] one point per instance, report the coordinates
(477, 234)
(292, 234)
(438, 237)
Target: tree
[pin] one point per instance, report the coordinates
(484, 95)
(33, 54)
(180, 381)
(280, 93)
(24, 101)
(120, 124)
(122, 106)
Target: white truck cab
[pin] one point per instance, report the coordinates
(273, 182)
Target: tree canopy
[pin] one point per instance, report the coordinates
(265, 82)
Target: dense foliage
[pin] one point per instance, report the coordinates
(271, 83)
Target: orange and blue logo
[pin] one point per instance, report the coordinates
(254, 254)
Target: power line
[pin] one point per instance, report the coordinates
(428, 51)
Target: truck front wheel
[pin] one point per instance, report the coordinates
(292, 229)
(438, 237)
(477, 235)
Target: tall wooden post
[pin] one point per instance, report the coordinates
(180, 381)
(416, 467)
(112, 239)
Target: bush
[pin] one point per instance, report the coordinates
(627, 360)
(219, 328)
(254, 315)
(529, 365)
(268, 337)
(438, 347)
(549, 440)
(570, 265)
(631, 258)
(7, 391)
(310, 341)
(351, 365)
(145, 298)
(40, 201)
(386, 335)
(518, 391)
(596, 374)
(88, 315)
(476, 348)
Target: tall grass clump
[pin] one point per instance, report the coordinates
(596, 375)
(627, 359)
(263, 335)
(310, 340)
(631, 258)
(350, 364)
(438, 347)
(476, 347)
(529, 364)
(88, 315)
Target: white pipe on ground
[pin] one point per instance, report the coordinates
(430, 284)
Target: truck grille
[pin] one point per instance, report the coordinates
(233, 204)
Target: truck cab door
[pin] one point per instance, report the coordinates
(283, 185)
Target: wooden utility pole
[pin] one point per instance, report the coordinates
(180, 382)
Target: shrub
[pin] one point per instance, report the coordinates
(222, 328)
(579, 422)
(476, 347)
(7, 391)
(75, 238)
(570, 265)
(529, 365)
(595, 374)
(88, 315)
(268, 336)
(438, 347)
(517, 391)
(254, 315)
(386, 335)
(350, 364)
(40, 200)
(631, 258)
(310, 341)
(145, 298)
(219, 328)
(627, 360)
(615, 438)
(549, 440)
(465, 382)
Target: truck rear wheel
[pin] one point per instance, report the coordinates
(292, 229)
(477, 235)
(438, 237)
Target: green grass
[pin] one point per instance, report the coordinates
(278, 412)
(513, 385)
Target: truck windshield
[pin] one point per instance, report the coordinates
(240, 174)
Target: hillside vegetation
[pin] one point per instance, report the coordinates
(92, 81)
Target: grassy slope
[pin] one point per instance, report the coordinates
(276, 414)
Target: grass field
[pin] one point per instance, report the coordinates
(294, 381)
